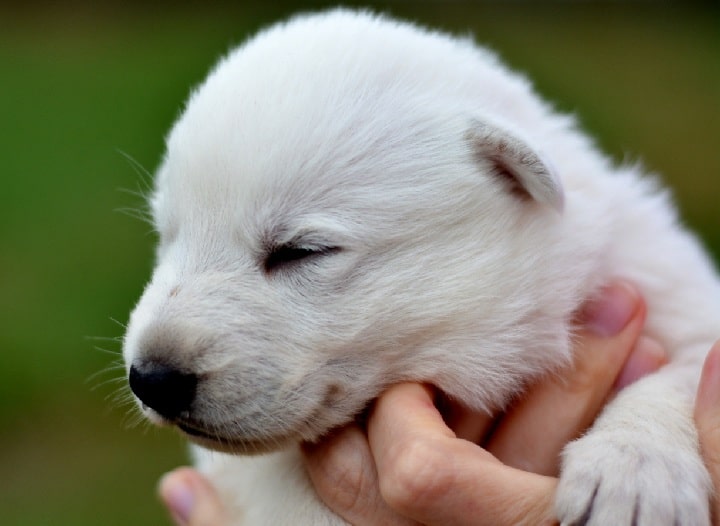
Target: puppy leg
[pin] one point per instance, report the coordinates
(640, 463)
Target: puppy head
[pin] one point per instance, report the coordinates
(334, 218)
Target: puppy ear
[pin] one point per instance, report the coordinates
(521, 168)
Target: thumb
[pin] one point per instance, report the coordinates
(707, 419)
(191, 499)
(429, 475)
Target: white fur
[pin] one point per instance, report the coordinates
(349, 130)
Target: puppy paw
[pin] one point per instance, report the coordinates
(625, 479)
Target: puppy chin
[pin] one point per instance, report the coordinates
(234, 445)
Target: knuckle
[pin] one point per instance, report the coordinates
(588, 375)
(584, 380)
(415, 475)
(344, 478)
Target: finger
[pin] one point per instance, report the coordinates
(707, 419)
(191, 499)
(428, 474)
(559, 409)
(647, 357)
(342, 470)
(465, 423)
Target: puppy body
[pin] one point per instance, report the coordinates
(348, 202)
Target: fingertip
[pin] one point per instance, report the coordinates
(190, 498)
(410, 392)
(406, 397)
(610, 329)
(646, 357)
(177, 492)
(613, 309)
(708, 397)
(405, 409)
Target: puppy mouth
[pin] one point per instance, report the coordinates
(237, 436)
(196, 432)
(210, 438)
(216, 437)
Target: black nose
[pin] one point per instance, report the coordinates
(163, 388)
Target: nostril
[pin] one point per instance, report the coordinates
(165, 389)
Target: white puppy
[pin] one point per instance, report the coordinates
(348, 202)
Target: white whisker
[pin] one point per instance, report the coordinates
(121, 324)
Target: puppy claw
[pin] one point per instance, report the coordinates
(631, 482)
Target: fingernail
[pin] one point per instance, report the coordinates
(179, 497)
(612, 311)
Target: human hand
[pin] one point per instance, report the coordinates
(707, 419)
(191, 499)
(412, 467)
(344, 470)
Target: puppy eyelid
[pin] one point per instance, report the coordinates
(291, 253)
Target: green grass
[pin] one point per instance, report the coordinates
(81, 85)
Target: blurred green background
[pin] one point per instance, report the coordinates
(82, 83)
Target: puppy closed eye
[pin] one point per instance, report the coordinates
(287, 255)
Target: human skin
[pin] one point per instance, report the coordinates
(707, 420)
(417, 467)
(416, 464)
